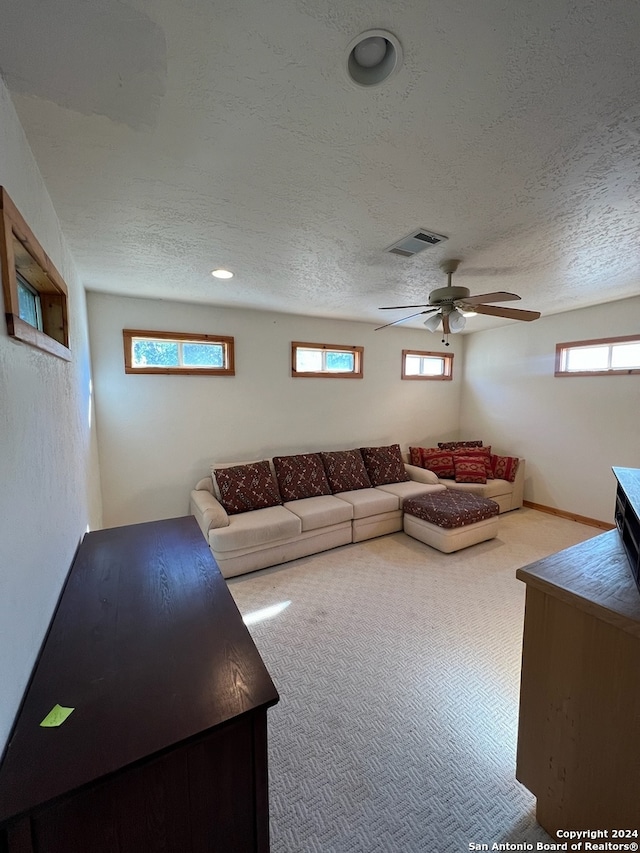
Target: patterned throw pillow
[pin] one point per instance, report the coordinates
(438, 461)
(246, 487)
(469, 469)
(301, 476)
(484, 452)
(415, 456)
(384, 464)
(505, 467)
(455, 445)
(345, 470)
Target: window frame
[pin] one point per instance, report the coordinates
(562, 348)
(21, 253)
(227, 342)
(447, 359)
(358, 361)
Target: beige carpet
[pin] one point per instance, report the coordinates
(398, 670)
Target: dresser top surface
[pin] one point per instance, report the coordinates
(629, 479)
(594, 576)
(149, 649)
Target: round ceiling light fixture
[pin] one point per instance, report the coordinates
(220, 273)
(372, 57)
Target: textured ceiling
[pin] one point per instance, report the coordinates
(175, 137)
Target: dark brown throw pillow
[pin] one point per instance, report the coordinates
(384, 464)
(247, 487)
(301, 476)
(345, 470)
(455, 445)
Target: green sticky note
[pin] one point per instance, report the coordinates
(56, 716)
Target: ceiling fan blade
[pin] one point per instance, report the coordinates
(405, 318)
(445, 324)
(498, 296)
(391, 307)
(509, 313)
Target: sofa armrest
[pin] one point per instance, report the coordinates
(208, 512)
(421, 475)
(517, 495)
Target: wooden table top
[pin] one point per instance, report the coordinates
(147, 645)
(595, 576)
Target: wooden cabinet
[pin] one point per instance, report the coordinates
(579, 726)
(627, 515)
(166, 748)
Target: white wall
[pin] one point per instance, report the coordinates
(48, 458)
(159, 434)
(570, 430)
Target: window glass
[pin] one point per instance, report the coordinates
(29, 303)
(426, 365)
(341, 361)
(203, 355)
(625, 355)
(588, 358)
(311, 360)
(607, 356)
(148, 353)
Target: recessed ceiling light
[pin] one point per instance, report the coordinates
(372, 57)
(221, 274)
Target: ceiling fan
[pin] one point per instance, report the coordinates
(447, 304)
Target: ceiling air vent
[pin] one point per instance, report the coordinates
(415, 242)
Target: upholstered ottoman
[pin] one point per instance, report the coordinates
(450, 520)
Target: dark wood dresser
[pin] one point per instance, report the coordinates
(166, 748)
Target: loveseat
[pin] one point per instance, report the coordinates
(265, 512)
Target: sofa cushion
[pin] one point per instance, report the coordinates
(412, 489)
(345, 470)
(321, 511)
(491, 489)
(384, 464)
(455, 445)
(505, 467)
(247, 487)
(451, 510)
(470, 469)
(438, 461)
(260, 527)
(301, 476)
(368, 502)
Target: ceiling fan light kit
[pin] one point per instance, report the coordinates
(453, 304)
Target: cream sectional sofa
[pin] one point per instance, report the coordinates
(245, 541)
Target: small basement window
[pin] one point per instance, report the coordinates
(418, 364)
(35, 296)
(326, 360)
(601, 357)
(178, 352)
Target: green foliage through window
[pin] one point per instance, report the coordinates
(173, 352)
